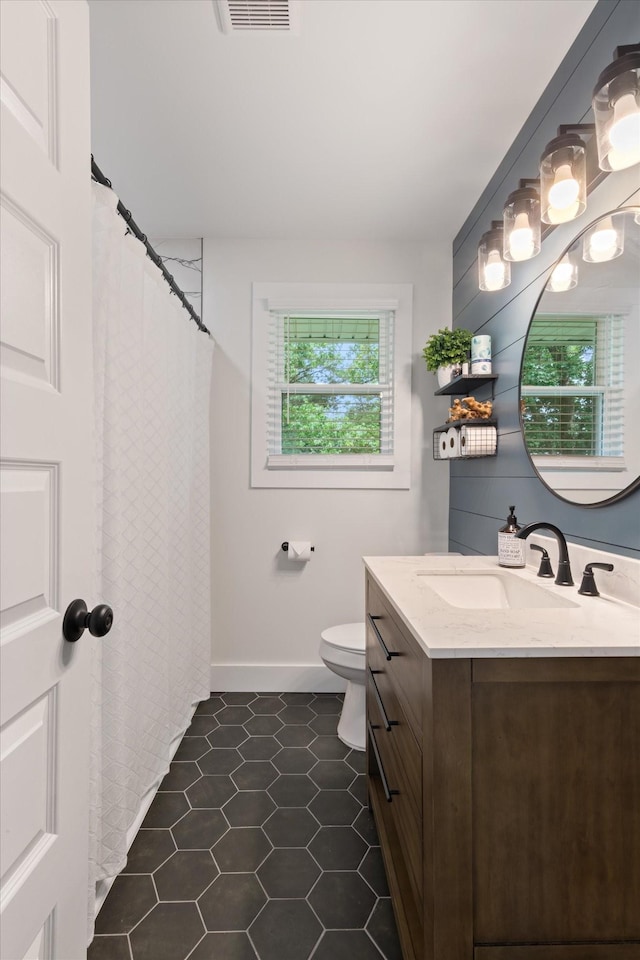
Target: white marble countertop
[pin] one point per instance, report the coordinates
(594, 627)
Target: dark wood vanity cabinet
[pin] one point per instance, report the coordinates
(506, 793)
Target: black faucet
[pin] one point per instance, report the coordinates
(588, 586)
(563, 576)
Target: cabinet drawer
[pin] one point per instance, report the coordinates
(407, 824)
(384, 710)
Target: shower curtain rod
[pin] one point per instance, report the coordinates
(133, 227)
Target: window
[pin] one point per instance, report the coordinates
(330, 374)
(572, 391)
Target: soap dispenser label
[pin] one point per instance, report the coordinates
(510, 550)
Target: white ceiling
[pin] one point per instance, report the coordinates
(383, 119)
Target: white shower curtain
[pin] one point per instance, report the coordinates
(152, 375)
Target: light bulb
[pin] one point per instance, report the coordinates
(602, 244)
(521, 245)
(494, 271)
(563, 277)
(624, 133)
(565, 189)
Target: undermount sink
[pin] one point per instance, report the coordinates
(486, 590)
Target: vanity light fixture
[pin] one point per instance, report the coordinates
(604, 242)
(494, 271)
(563, 174)
(616, 108)
(565, 273)
(521, 222)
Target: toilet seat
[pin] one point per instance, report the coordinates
(348, 637)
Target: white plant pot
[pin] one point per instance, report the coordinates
(444, 375)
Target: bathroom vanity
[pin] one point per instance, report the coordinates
(503, 757)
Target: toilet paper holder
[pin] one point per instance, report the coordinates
(285, 546)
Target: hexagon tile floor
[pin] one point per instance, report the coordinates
(258, 845)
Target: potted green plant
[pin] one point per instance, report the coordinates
(445, 351)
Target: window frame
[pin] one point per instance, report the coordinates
(365, 471)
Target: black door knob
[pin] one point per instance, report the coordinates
(78, 617)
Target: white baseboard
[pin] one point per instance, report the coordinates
(275, 678)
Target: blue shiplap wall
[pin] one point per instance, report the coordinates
(481, 489)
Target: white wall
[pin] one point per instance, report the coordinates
(267, 611)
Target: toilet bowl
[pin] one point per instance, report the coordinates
(342, 649)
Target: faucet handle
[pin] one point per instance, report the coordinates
(588, 586)
(545, 563)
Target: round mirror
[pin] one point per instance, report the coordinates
(580, 375)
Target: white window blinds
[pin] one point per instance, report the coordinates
(331, 391)
(573, 389)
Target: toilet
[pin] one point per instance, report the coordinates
(342, 649)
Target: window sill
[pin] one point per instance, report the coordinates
(325, 462)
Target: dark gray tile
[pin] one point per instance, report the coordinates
(291, 828)
(220, 761)
(288, 873)
(365, 825)
(211, 791)
(325, 726)
(342, 900)
(267, 705)
(192, 748)
(180, 776)
(149, 849)
(223, 946)
(259, 748)
(254, 775)
(296, 715)
(109, 948)
(297, 699)
(294, 760)
(358, 760)
(295, 736)
(293, 790)
(199, 829)
(241, 850)
(334, 808)
(250, 808)
(201, 725)
(338, 848)
(263, 726)
(209, 707)
(346, 945)
(170, 932)
(372, 869)
(382, 929)
(227, 736)
(232, 902)
(129, 899)
(185, 875)
(234, 715)
(238, 699)
(166, 809)
(327, 704)
(332, 774)
(285, 930)
(358, 789)
(329, 748)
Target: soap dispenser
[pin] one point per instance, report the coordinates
(511, 550)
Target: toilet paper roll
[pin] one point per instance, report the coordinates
(299, 550)
(477, 441)
(442, 446)
(453, 442)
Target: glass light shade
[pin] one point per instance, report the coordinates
(604, 242)
(521, 221)
(616, 108)
(564, 275)
(563, 179)
(494, 272)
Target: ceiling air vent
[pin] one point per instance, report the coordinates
(235, 16)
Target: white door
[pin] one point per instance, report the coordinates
(48, 526)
